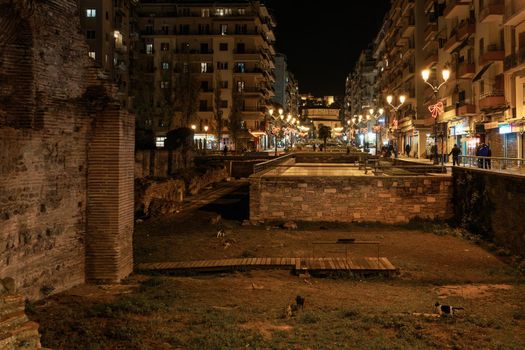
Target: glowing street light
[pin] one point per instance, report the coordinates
(425, 74)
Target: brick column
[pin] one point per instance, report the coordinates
(109, 253)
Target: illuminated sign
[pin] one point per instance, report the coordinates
(505, 129)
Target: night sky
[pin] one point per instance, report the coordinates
(323, 39)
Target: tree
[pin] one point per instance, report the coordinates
(217, 111)
(235, 120)
(186, 91)
(324, 133)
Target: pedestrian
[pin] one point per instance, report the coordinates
(455, 154)
(225, 150)
(407, 149)
(483, 153)
(394, 148)
(478, 153)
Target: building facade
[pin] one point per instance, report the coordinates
(225, 49)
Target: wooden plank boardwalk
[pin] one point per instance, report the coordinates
(321, 265)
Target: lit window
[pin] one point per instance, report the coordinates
(219, 12)
(91, 13)
(164, 84)
(149, 49)
(92, 54)
(159, 141)
(205, 67)
(241, 67)
(240, 86)
(224, 29)
(205, 12)
(165, 65)
(242, 11)
(164, 46)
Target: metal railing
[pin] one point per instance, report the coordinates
(271, 163)
(499, 163)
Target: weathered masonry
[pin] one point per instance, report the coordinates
(66, 164)
(353, 198)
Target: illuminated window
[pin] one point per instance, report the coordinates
(149, 49)
(91, 13)
(224, 29)
(164, 84)
(165, 65)
(205, 67)
(92, 54)
(240, 86)
(159, 141)
(164, 46)
(242, 12)
(205, 12)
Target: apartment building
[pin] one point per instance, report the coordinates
(106, 25)
(511, 127)
(227, 47)
(482, 44)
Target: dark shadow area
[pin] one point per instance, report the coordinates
(232, 206)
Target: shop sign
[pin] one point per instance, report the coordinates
(460, 129)
(505, 129)
(491, 125)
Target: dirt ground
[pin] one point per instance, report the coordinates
(247, 310)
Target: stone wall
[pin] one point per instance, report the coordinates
(328, 157)
(491, 205)
(61, 136)
(161, 162)
(159, 196)
(350, 199)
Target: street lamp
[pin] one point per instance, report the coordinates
(389, 100)
(270, 112)
(425, 74)
(205, 137)
(377, 127)
(193, 127)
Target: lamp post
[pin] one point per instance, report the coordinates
(380, 112)
(425, 74)
(205, 137)
(281, 116)
(267, 125)
(193, 127)
(389, 100)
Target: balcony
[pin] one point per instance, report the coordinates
(408, 25)
(430, 31)
(247, 56)
(492, 100)
(460, 33)
(493, 53)
(456, 8)
(466, 108)
(492, 12)
(466, 70)
(514, 12)
(430, 60)
(510, 62)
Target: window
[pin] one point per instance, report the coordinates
(184, 29)
(149, 49)
(204, 29)
(149, 29)
(241, 29)
(482, 87)
(205, 67)
(91, 13)
(241, 67)
(159, 140)
(164, 46)
(205, 13)
(241, 48)
(222, 65)
(164, 84)
(203, 105)
(92, 54)
(242, 12)
(205, 85)
(90, 34)
(240, 86)
(165, 65)
(224, 29)
(204, 48)
(165, 29)
(224, 104)
(223, 46)
(223, 84)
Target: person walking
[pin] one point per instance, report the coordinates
(225, 150)
(407, 150)
(455, 152)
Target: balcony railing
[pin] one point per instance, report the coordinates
(493, 53)
(492, 99)
(492, 11)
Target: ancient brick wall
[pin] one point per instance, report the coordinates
(50, 103)
(491, 205)
(350, 199)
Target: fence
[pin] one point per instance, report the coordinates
(501, 163)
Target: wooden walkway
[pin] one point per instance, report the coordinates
(366, 265)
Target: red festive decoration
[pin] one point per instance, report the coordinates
(436, 109)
